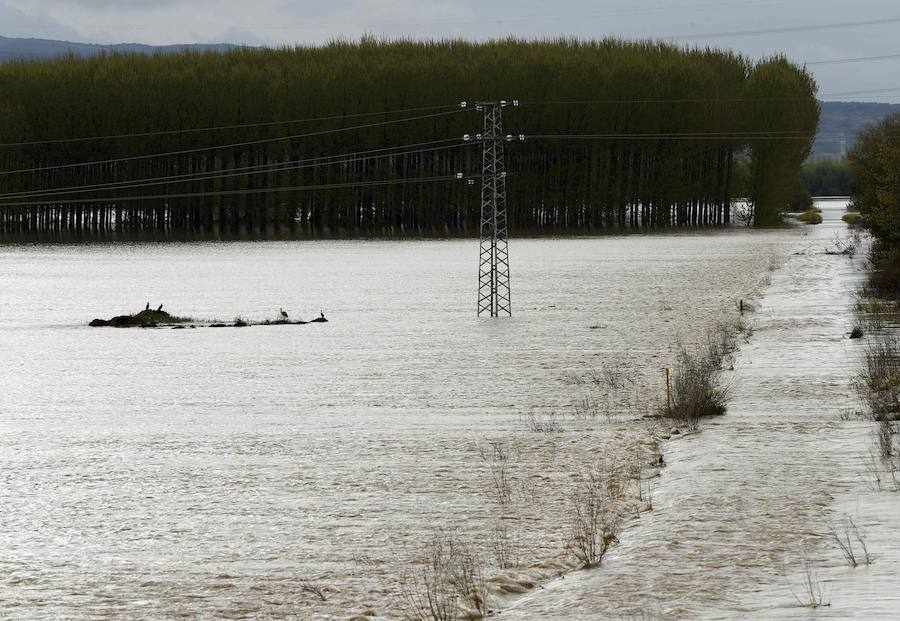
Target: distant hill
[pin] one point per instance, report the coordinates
(36, 49)
(842, 121)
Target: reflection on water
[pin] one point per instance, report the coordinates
(157, 473)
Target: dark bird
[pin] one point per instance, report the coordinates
(147, 307)
(159, 310)
(322, 314)
(284, 315)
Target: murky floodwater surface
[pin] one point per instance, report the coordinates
(216, 473)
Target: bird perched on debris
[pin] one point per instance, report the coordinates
(159, 310)
(147, 307)
(284, 315)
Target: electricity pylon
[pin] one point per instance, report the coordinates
(493, 268)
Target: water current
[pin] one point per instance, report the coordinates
(742, 513)
(217, 473)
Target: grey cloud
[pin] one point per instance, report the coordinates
(16, 23)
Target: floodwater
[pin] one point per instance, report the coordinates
(220, 472)
(742, 513)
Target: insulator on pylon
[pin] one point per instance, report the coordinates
(477, 136)
(509, 137)
(466, 137)
(515, 103)
(459, 175)
(470, 182)
(522, 137)
(463, 104)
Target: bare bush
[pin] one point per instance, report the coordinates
(528, 492)
(594, 523)
(428, 596)
(880, 383)
(313, 588)
(550, 422)
(882, 473)
(844, 536)
(612, 375)
(845, 246)
(720, 344)
(612, 388)
(588, 408)
(505, 542)
(449, 584)
(497, 455)
(811, 592)
(849, 414)
(884, 439)
(696, 390)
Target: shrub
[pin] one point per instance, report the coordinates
(505, 541)
(885, 275)
(449, 585)
(594, 522)
(881, 377)
(801, 200)
(852, 218)
(844, 537)
(810, 216)
(696, 392)
(497, 457)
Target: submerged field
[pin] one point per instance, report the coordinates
(278, 473)
(743, 515)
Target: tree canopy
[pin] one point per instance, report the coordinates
(875, 161)
(658, 129)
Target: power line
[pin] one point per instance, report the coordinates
(742, 33)
(399, 150)
(868, 92)
(860, 59)
(214, 175)
(326, 186)
(248, 169)
(699, 100)
(427, 108)
(674, 136)
(226, 127)
(232, 145)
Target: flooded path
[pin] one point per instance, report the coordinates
(745, 506)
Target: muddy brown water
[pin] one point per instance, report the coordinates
(202, 473)
(745, 507)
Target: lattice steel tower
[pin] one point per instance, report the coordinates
(493, 269)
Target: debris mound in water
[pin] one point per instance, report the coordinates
(144, 319)
(160, 318)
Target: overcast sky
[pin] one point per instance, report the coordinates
(272, 22)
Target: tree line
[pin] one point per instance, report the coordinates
(875, 162)
(827, 177)
(658, 129)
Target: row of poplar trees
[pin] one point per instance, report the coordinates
(658, 130)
